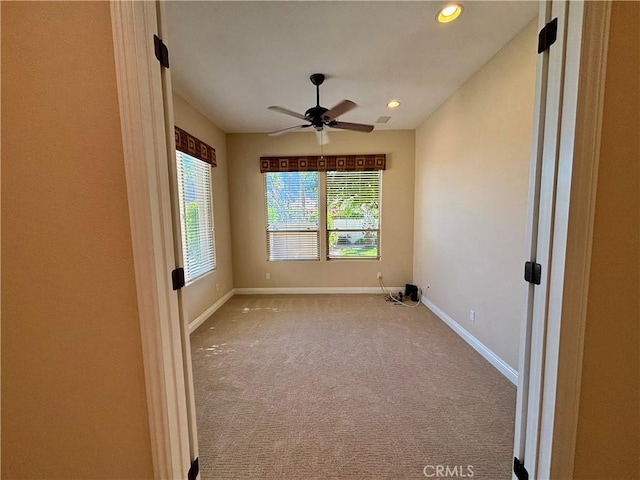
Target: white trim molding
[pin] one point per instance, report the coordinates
(579, 147)
(145, 161)
(200, 319)
(503, 367)
(314, 290)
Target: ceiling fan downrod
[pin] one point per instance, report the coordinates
(317, 79)
(314, 114)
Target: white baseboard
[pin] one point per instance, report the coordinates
(210, 311)
(477, 345)
(312, 290)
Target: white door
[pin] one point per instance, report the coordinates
(177, 250)
(540, 232)
(570, 79)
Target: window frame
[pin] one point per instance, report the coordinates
(210, 264)
(269, 232)
(329, 231)
(322, 231)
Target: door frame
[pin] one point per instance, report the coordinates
(183, 314)
(577, 171)
(143, 124)
(144, 120)
(552, 337)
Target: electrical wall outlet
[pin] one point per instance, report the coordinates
(472, 315)
(379, 275)
(267, 276)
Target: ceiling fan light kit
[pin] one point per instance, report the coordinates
(320, 117)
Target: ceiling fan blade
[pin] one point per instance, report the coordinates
(286, 111)
(357, 127)
(343, 107)
(322, 136)
(288, 129)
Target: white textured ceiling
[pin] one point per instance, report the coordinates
(231, 60)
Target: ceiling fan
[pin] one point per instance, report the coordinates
(320, 117)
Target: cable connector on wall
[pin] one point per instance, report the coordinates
(379, 275)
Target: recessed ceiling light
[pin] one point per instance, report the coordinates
(393, 104)
(449, 13)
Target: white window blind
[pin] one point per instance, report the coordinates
(196, 216)
(292, 216)
(353, 214)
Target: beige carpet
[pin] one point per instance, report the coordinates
(345, 386)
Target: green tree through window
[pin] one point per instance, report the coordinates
(292, 215)
(353, 214)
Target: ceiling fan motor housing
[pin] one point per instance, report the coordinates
(314, 114)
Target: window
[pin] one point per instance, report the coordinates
(353, 214)
(292, 216)
(196, 215)
(352, 209)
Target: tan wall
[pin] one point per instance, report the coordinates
(608, 442)
(202, 292)
(472, 173)
(248, 220)
(73, 394)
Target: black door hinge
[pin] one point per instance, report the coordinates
(162, 52)
(548, 35)
(192, 474)
(533, 272)
(519, 470)
(177, 278)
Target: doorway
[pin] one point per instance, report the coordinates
(579, 24)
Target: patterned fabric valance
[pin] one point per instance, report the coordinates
(196, 148)
(316, 163)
